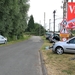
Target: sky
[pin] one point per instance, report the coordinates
(39, 7)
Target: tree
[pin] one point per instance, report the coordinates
(39, 29)
(31, 26)
(5, 18)
(13, 17)
(20, 17)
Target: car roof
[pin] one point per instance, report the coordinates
(49, 33)
(71, 38)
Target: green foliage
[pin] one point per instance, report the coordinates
(39, 29)
(31, 24)
(13, 17)
(35, 28)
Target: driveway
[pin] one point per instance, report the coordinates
(21, 58)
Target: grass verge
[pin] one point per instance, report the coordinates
(26, 37)
(57, 64)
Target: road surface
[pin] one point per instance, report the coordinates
(21, 58)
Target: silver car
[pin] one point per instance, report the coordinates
(3, 40)
(64, 46)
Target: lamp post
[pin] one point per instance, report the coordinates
(54, 19)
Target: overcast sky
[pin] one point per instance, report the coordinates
(38, 7)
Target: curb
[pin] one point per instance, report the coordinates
(43, 67)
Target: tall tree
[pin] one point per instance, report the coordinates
(5, 18)
(13, 17)
(31, 24)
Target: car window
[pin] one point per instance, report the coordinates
(72, 41)
(49, 34)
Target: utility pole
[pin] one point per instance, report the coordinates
(71, 0)
(44, 23)
(65, 9)
(54, 19)
(49, 24)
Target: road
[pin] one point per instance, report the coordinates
(21, 58)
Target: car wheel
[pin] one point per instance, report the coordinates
(59, 50)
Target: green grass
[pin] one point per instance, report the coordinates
(57, 64)
(26, 37)
(68, 72)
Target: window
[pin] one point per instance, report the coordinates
(72, 41)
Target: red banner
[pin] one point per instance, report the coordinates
(71, 11)
(71, 25)
(71, 15)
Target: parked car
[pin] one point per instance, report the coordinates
(54, 38)
(64, 46)
(3, 40)
(48, 34)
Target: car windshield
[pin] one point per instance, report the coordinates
(50, 34)
(72, 41)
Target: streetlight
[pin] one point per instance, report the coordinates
(54, 19)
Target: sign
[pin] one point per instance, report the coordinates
(64, 35)
(71, 11)
(64, 22)
(71, 15)
(64, 30)
(64, 39)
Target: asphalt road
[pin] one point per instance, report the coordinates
(21, 58)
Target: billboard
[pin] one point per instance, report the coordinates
(71, 11)
(71, 15)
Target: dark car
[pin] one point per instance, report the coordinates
(48, 35)
(55, 37)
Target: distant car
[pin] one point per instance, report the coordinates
(64, 46)
(54, 38)
(3, 40)
(48, 34)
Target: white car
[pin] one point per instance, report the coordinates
(3, 40)
(64, 46)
